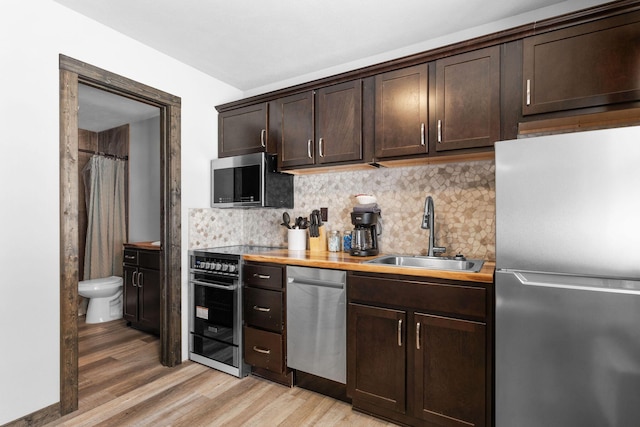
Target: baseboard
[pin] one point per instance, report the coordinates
(38, 418)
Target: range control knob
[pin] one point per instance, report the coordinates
(218, 266)
(232, 268)
(225, 267)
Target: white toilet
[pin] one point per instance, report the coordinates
(105, 298)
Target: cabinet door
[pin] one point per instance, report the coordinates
(296, 144)
(130, 289)
(149, 298)
(450, 370)
(401, 124)
(338, 125)
(377, 362)
(582, 66)
(243, 130)
(467, 107)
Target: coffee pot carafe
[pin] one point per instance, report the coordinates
(364, 239)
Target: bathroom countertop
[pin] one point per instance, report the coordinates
(143, 245)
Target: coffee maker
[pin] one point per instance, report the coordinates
(364, 239)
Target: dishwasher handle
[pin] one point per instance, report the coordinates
(314, 282)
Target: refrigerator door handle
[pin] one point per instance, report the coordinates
(578, 282)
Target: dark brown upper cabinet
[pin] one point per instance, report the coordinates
(587, 65)
(292, 119)
(466, 112)
(338, 122)
(401, 113)
(244, 131)
(319, 127)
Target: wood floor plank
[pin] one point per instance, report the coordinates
(121, 383)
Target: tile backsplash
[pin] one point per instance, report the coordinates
(463, 194)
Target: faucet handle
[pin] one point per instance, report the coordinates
(439, 250)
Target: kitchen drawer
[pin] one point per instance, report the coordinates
(264, 349)
(263, 309)
(439, 298)
(263, 276)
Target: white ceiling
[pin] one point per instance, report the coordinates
(254, 44)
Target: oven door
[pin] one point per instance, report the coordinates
(215, 328)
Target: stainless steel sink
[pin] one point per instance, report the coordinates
(430, 263)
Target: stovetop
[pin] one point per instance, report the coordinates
(234, 250)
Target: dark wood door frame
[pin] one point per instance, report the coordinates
(73, 72)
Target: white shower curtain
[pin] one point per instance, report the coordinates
(106, 219)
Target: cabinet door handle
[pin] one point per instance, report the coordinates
(399, 332)
(439, 131)
(321, 147)
(418, 336)
(261, 276)
(263, 134)
(309, 149)
(134, 276)
(140, 279)
(528, 91)
(422, 138)
(263, 309)
(261, 350)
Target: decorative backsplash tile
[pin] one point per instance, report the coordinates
(463, 194)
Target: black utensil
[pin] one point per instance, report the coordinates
(286, 219)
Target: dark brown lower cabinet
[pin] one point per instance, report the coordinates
(419, 352)
(450, 370)
(141, 286)
(380, 368)
(264, 322)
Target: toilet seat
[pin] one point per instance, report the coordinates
(101, 282)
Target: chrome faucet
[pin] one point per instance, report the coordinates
(428, 223)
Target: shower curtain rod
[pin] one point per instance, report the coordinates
(100, 153)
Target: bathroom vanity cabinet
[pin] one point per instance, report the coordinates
(141, 283)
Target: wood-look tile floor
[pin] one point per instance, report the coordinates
(121, 383)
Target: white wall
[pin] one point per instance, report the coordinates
(144, 181)
(32, 35)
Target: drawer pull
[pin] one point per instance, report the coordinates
(418, 336)
(263, 309)
(262, 276)
(261, 350)
(400, 333)
(130, 256)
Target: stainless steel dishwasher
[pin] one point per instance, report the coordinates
(317, 322)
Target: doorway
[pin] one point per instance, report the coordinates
(73, 73)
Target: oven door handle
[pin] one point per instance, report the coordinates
(212, 285)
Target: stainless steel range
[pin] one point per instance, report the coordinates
(215, 307)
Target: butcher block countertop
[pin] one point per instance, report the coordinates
(344, 261)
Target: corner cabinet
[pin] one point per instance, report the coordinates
(264, 322)
(588, 65)
(244, 131)
(420, 351)
(321, 127)
(141, 271)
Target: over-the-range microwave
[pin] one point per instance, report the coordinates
(250, 181)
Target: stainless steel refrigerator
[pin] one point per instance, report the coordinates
(568, 280)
